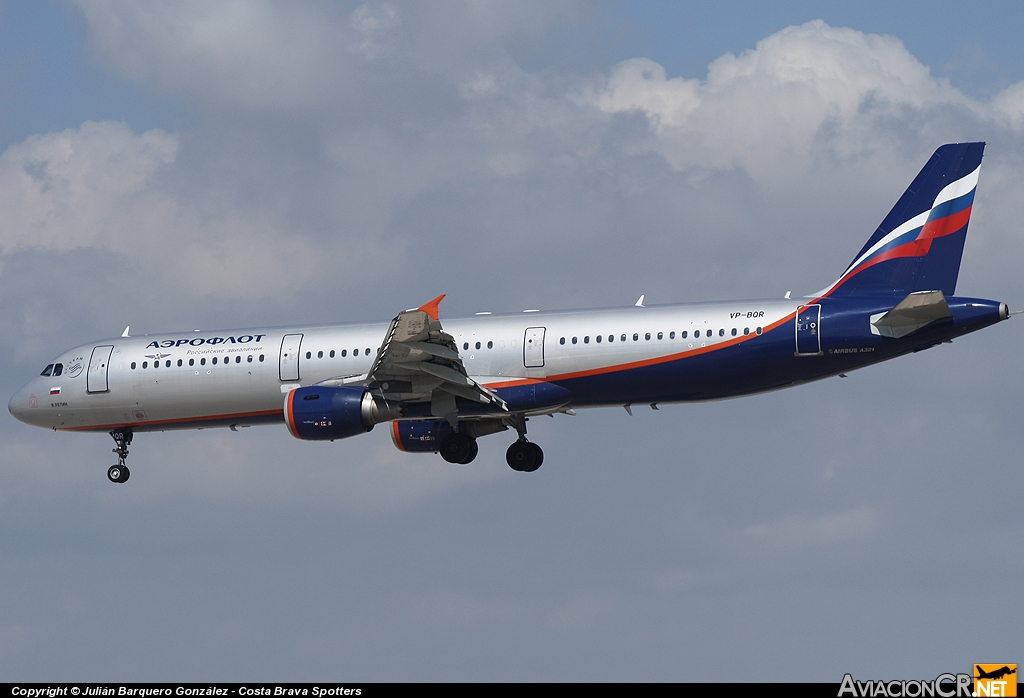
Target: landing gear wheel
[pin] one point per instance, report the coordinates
(524, 456)
(118, 473)
(474, 449)
(458, 448)
(539, 458)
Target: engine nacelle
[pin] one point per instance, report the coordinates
(321, 413)
(425, 437)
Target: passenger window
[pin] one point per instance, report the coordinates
(682, 334)
(622, 338)
(367, 351)
(465, 346)
(309, 355)
(355, 352)
(758, 330)
(636, 337)
(611, 338)
(746, 331)
(696, 333)
(671, 335)
(344, 353)
(145, 364)
(721, 332)
(249, 358)
(573, 340)
(332, 353)
(202, 362)
(58, 369)
(647, 336)
(478, 345)
(586, 340)
(562, 340)
(319, 355)
(133, 365)
(238, 359)
(215, 361)
(191, 362)
(733, 331)
(660, 335)
(598, 338)
(47, 371)
(168, 364)
(261, 358)
(179, 362)
(490, 345)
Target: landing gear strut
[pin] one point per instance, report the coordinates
(523, 455)
(120, 472)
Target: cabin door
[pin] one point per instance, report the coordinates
(808, 330)
(533, 347)
(290, 346)
(96, 378)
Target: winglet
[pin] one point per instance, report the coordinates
(125, 333)
(431, 307)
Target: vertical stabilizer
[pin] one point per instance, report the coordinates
(919, 245)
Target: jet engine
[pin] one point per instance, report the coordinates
(426, 437)
(321, 413)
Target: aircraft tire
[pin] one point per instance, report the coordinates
(457, 447)
(538, 458)
(473, 451)
(522, 456)
(118, 473)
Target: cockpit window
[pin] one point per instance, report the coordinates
(58, 369)
(47, 371)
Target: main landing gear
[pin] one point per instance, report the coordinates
(523, 455)
(120, 472)
(459, 447)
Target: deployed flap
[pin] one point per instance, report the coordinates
(911, 314)
(419, 362)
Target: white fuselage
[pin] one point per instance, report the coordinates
(239, 377)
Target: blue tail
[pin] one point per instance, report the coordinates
(919, 245)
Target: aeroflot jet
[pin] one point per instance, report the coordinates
(443, 387)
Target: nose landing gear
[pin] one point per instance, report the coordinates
(120, 472)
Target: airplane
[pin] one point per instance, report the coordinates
(442, 387)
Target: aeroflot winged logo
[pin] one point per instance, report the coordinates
(199, 341)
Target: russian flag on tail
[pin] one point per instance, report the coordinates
(919, 245)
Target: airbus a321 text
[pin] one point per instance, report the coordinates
(442, 386)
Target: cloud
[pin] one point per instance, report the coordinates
(289, 58)
(77, 188)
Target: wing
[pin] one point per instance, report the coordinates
(420, 362)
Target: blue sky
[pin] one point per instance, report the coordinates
(186, 165)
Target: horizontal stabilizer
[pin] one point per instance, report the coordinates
(911, 314)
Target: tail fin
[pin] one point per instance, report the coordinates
(919, 245)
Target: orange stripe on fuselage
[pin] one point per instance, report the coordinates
(645, 362)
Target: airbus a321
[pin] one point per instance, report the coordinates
(442, 386)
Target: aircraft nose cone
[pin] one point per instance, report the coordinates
(18, 405)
